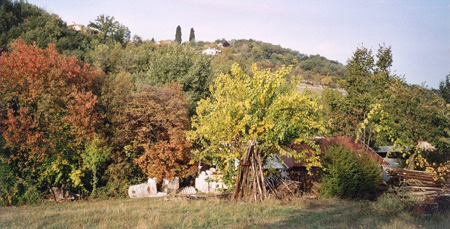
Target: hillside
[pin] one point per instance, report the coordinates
(314, 69)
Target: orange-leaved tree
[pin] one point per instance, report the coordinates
(47, 113)
(153, 126)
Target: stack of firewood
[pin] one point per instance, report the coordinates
(284, 189)
(418, 183)
(306, 179)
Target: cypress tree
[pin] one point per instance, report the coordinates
(192, 35)
(178, 35)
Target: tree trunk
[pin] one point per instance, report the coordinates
(52, 192)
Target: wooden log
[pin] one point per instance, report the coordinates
(253, 176)
(262, 176)
(246, 189)
(315, 188)
(427, 179)
(416, 182)
(238, 182)
(426, 193)
(256, 176)
(424, 189)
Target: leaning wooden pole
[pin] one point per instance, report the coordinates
(262, 176)
(238, 181)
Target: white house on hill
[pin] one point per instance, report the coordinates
(211, 51)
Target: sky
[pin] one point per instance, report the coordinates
(417, 30)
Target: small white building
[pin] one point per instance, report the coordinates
(77, 27)
(211, 51)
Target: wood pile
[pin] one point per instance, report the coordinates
(315, 189)
(282, 188)
(62, 194)
(417, 183)
(285, 189)
(433, 192)
(307, 180)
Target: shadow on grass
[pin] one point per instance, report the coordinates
(329, 215)
(355, 215)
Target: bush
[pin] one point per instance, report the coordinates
(111, 190)
(348, 175)
(15, 190)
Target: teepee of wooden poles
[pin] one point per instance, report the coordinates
(250, 180)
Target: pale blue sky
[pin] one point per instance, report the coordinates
(417, 30)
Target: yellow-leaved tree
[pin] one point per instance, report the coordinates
(264, 109)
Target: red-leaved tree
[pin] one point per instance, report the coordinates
(47, 111)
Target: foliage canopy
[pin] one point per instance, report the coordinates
(264, 107)
(110, 30)
(47, 112)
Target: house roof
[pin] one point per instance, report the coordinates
(166, 42)
(347, 142)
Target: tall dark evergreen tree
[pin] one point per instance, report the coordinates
(192, 35)
(178, 35)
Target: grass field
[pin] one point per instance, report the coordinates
(157, 213)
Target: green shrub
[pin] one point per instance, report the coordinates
(15, 190)
(29, 195)
(111, 190)
(348, 175)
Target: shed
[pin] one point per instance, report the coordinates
(348, 142)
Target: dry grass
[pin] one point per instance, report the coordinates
(156, 213)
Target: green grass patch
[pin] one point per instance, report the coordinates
(157, 213)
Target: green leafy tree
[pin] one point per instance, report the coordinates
(35, 25)
(178, 35)
(107, 57)
(110, 30)
(117, 92)
(181, 64)
(366, 84)
(192, 35)
(95, 156)
(381, 109)
(264, 107)
(415, 114)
